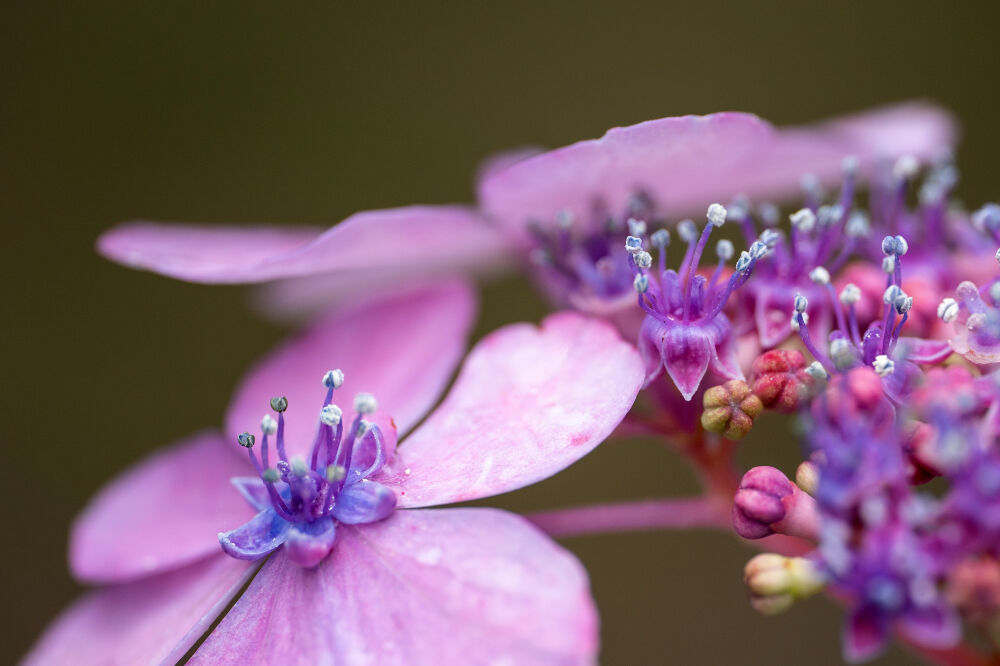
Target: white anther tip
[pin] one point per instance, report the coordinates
(268, 425)
(948, 310)
(850, 294)
(364, 403)
(803, 219)
(883, 365)
(333, 379)
(820, 275)
(716, 214)
(331, 415)
(643, 259)
(724, 249)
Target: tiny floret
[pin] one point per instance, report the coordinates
(820, 275)
(803, 219)
(333, 379)
(246, 440)
(660, 238)
(364, 403)
(643, 259)
(268, 425)
(331, 415)
(948, 310)
(850, 294)
(724, 249)
(279, 404)
(716, 214)
(633, 244)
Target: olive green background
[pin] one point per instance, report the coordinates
(306, 112)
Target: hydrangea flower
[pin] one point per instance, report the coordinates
(377, 579)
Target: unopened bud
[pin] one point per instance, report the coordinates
(730, 409)
(776, 582)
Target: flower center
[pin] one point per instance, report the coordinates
(304, 490)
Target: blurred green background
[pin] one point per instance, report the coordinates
(306, 112)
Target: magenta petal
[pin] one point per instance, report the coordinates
(152, 621)
(402, 349)
(400, 240)
(446, 587)
(773, 316)
(865, 635)
(528, 402)
(685, 162)
(364, 502)
(161, 513)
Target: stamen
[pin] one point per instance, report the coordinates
(948, 310)
(633, 244)
(331, 415)
(333, 379)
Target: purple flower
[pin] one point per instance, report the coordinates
(400, 584)
(569, 207)
(685, 330)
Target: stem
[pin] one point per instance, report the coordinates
(633, 516)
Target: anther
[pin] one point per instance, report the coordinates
(246, 440)
(687, 231)
(997, 255)
(803, 219)
(883, 365)
(816, 370)
(905, 167)
(895, 246)
(335, 473)
(279, 404)
(758, 249)
(564, 219)
(850, 294)
(820, 275)
(716, 214)
(841, 353)
(636, 227)
(333, 379)
(268, 425)
(643, 259)
(858, 225)
(800, 303)
(364, 403)
(331, 415)
(770, 238)
(743, 263)
(769, 214)
(889, 265)
(633, 244)
(299, 466)
(903, 303)
(849, 166)
(660, 238)
(892, 292)
(948, 310)
(987, 217)
(271, 475)
(641, 283)
(724, 249)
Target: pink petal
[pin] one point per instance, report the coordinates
(400, 240)
(436, 588)
(687, 162)
(163, 512)
(686, 352)
(152, 621)
(402, 349)
(865, 635)
(528, 402)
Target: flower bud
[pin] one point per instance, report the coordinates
(768, 503)
(730, 409)
(780, 380)
(776, 582)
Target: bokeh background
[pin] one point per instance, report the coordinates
(307, 112)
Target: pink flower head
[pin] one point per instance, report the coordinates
(356, 573)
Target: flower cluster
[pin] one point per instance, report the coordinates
(853, 313)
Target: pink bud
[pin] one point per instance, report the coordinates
(768, 503)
